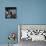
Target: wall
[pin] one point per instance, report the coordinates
(28, 12)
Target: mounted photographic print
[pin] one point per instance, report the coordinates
(32, 32)
(10, 12)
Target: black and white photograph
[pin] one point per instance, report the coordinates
(10, 12)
